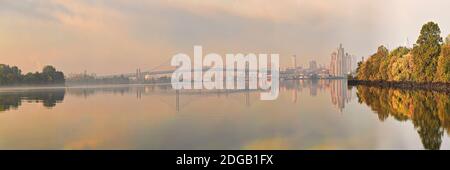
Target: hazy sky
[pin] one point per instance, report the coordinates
(118, 36)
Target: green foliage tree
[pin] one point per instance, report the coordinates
(50, 75)
(9, 75)
(426, 52)
(13, 75)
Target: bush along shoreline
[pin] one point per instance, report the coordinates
(424, 66)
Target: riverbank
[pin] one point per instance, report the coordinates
(440, 87)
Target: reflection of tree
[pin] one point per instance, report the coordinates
(443, 110)
(426, 120)
(47, 98)
(428, 111)
(9, 102)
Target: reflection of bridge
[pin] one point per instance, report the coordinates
(339, 93)
(191, 95)
(177, 99)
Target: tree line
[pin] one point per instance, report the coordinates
(12, 75)
(427, 61)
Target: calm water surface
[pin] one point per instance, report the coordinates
(322, 114)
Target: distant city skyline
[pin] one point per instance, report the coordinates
(117, 36)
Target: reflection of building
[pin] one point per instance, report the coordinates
(340, 94)
(338, 90)
(313, 88)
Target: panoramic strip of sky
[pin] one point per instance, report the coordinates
(118, 36)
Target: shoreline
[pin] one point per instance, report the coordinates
(433, 86)
(65, 86)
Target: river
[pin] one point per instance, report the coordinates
(308, 114)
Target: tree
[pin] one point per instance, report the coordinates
(384, 70)
(50, 75)
(370, 70)
(9, 75)
(48, 70)
(400, 68)
(13, 75)
(358, 66)
(426, 52)
(361, 71)
(447, 40)
(384, 63)
(374, 62)
(428, 61)
(443, 65)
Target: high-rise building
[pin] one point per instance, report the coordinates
(138, 74)
(313, 65)
(333, 64)
(341, 63)
(294, 61)
(348, 63)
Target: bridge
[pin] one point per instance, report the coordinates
(157, 71)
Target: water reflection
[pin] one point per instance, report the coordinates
(338, 90)
(157, 117)
(428, 111)
(339, 93)
(13, 100)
